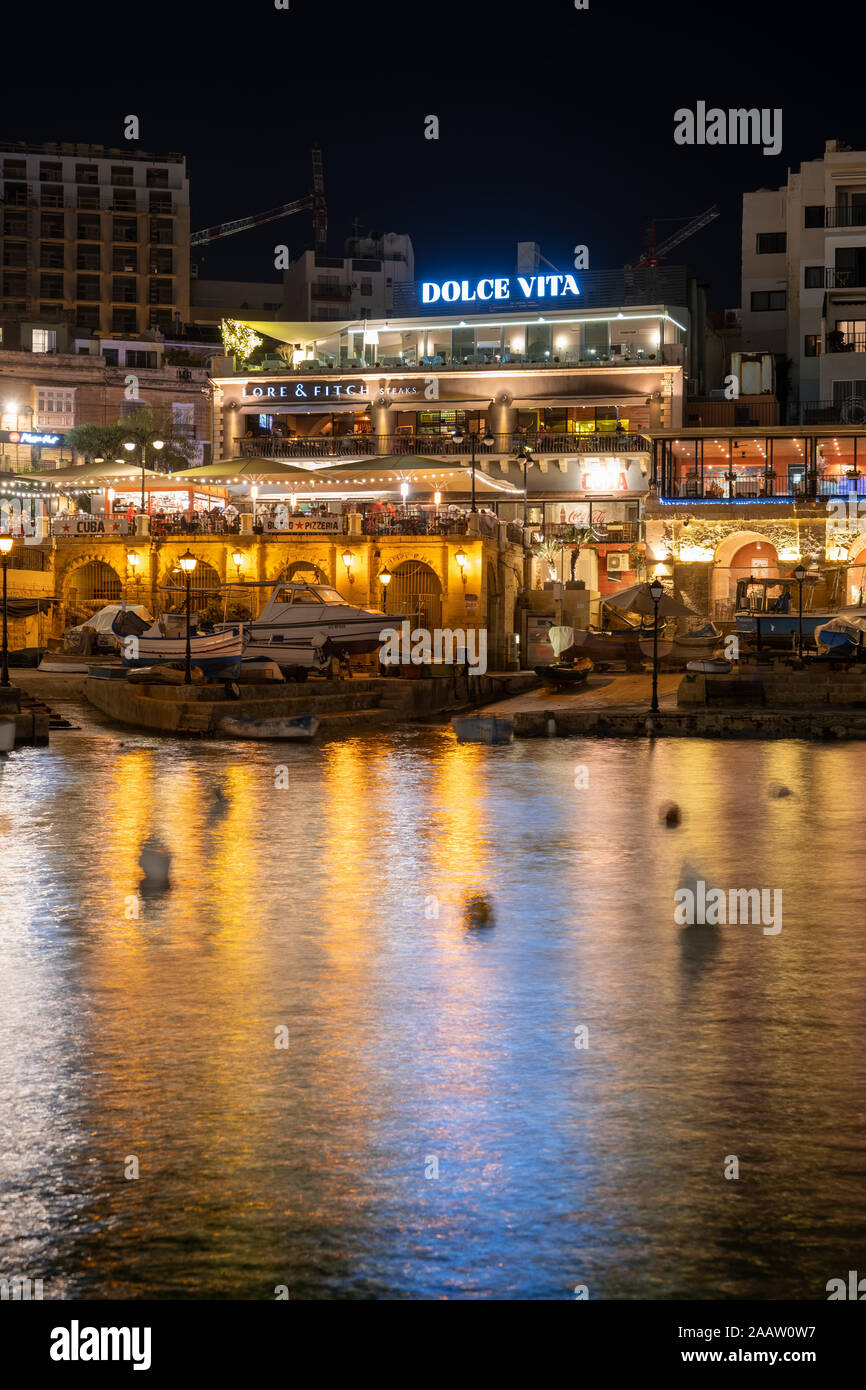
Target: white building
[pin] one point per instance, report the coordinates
(358, 285)
(804, 282)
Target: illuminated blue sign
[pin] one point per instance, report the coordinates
(28, 437)
(469, 292)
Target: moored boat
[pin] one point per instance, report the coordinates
(301, 726)
(710, 666)
(563, 673)
(142, 644)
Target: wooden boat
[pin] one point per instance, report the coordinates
(564, 673)
(604, 647)
(710, 666)
(301, 726)
(143, 644)
(483, 728)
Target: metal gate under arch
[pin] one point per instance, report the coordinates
(416, 591)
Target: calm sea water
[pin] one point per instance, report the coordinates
(419, 1043)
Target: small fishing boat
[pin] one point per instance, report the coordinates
(143, 644)
(300, 726)
(483, 728)
(565, 673)
(606, 646)
(710, 666)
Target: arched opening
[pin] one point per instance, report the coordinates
(416, 591)
(205, 585)
(739, 557)
(303, 572)
(95, 583)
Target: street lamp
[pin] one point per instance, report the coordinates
(462, 562)
(187, 563)
(487, 440)
(800, 575)
(237, 561)
(656, 590)
(155, 443)
(132, 561)
(524, 454)
(6, 544)
(384, 580)
(347, 561)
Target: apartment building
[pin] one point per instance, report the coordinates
(804, 284)
(358, 285)
(91, 239)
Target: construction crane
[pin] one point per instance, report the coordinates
(314, 200)
(654, 253)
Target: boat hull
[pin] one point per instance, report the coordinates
(564, 676)
(602, 647)
(302, 726)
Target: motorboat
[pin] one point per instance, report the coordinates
(305, 624)
(145, 644)
(710, 666)
(842, 636)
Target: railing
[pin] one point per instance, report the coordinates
(707, 490)
(605, 533)
(855, 342)
(421, 525)
(470, 362)
(353, 445)
(845, 216)
(851, 411)
(28, 557)
(835, 279)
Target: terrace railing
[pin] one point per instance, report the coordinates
(779, 486)
(351, 446)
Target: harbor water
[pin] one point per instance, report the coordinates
(415, 1019)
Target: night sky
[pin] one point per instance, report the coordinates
(556, 125)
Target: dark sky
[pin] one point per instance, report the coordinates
(556, 125)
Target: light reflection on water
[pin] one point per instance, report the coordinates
(414, 1037)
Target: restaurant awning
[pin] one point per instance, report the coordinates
(97, 474)
(295, 331)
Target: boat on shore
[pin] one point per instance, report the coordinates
(303, 625)
(605, 646)
(564, 674)
(298, 726)
(145, 644)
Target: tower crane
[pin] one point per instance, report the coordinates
(314, 200)
(654, 253)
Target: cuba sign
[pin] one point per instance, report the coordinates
(469, 292)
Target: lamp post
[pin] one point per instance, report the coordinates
(187, 563)
(384, 580)
(462, 562)
(800, 575)
(132, 562)
(656, 591)
(487, 440)
(155, 443)
(524, 454)
(6, 544)
(347, 561)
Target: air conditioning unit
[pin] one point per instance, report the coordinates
(617, 561)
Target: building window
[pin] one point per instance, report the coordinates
(844, 390)
(51, 287)
(87, 315)
(124, 321)
(366, 288)
(124, 229)
(87, 287)
(161, 261)
(88, 229)
(814, 278)
(140, 359)
(86, 173)
(50, 173)
(88, 258)
(160, 202)
(814, 215)
(44, 340)
(161, 232)
(812, 345)
(768, 300)
(183, 417)
(55, 409)
(124, 261)
(15, 254)
(156, 178)
(14, 286)
(52, 225)
(124, 290)
(88, 198)
(122, 176)
(771, 243)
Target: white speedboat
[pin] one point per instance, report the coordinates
(304, 624)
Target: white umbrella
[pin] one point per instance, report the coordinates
(638, 599)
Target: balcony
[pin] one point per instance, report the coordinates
(851, 411)
(845, 216)
(610, 533)
(759, 487)
(439, 445)
(835, 279)
(514, 361)
(855, 342)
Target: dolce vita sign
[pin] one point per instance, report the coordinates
(500, 287)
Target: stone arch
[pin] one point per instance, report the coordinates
(737, 556)
(303, 571)
(415, 590)
(91, 580)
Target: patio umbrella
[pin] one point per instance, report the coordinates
(638, 599)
